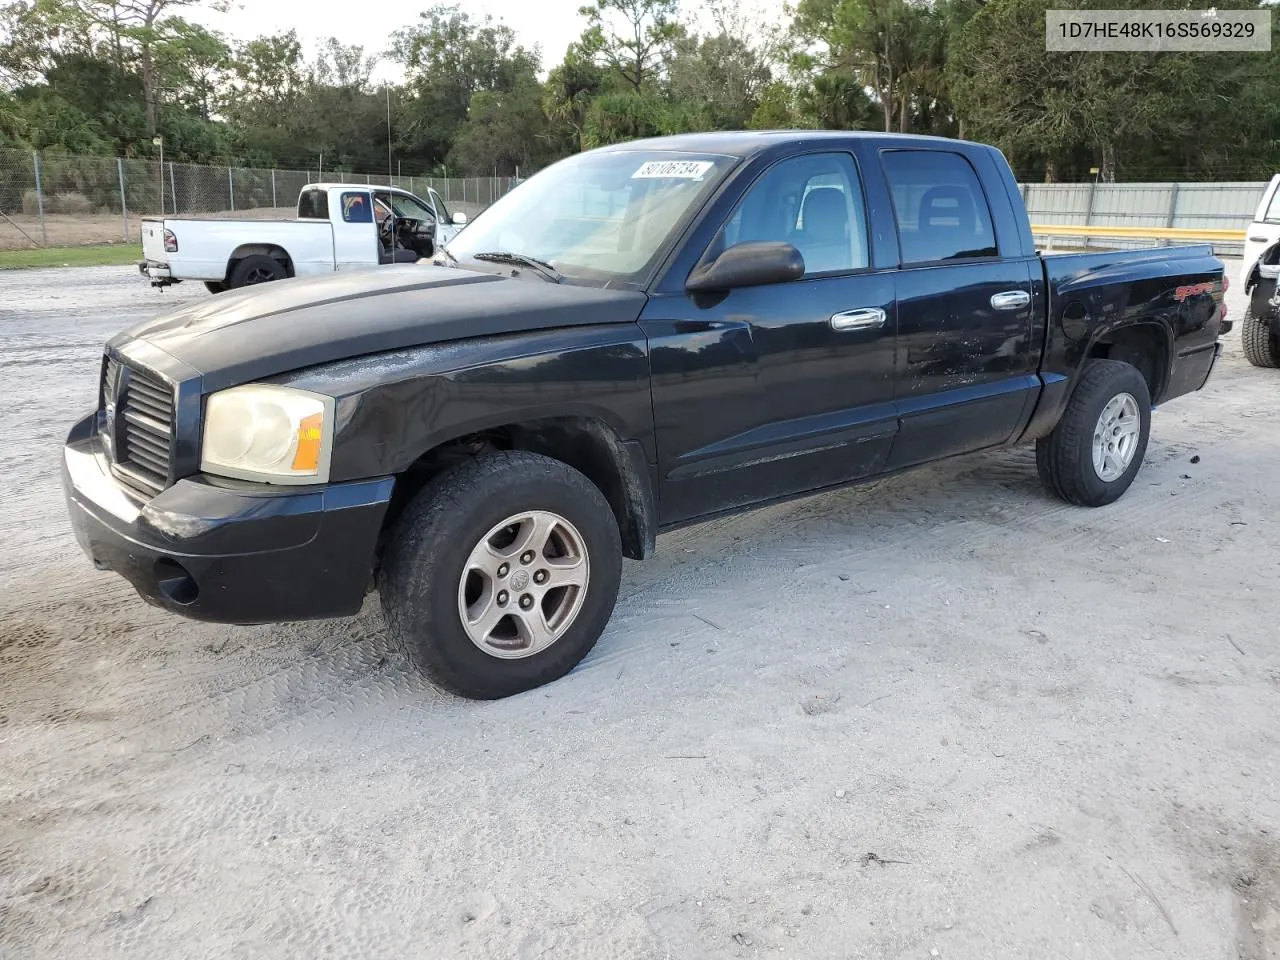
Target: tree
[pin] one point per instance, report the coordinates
(722, 75)
(1081, 109)
(343, 66)
(625, 115)
(630, 38)
(447, 60)
(129, 24)
(891, 46)
(776, 109)
(35, 35)
(505, 131)
(192, 63)
(569, 92)
(267, 83)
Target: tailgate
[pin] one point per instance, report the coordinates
(153, 241)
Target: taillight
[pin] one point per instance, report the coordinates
(1226, 283)
(170, 242)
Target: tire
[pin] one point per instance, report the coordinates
(258, 268)
(1261, 347)
(1065, 459)
(215, 286)
(423, 590)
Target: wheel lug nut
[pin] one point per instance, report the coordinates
(502, 598)
(526, 602)
(503, 570)
(540, 577)
(527, 557)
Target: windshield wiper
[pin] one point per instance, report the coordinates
(520, 259)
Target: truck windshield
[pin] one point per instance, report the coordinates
(601, 218)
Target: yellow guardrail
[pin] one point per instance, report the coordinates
(1138, 233)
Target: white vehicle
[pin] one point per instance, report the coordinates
(338, 227)
(1265, 229)
(1260, 328)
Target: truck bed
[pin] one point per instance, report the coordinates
(1088, 296)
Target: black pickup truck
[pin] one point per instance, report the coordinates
(633, 339)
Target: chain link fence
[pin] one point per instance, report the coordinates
(57, 200)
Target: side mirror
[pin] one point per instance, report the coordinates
(459, 219)
(747, 265)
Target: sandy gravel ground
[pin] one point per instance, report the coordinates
(939, 716)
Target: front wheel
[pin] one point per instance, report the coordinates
(1093, 454)
(501, 574)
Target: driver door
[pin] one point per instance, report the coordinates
(355, 230)
(772, 390)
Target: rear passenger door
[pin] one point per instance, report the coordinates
(964, 362)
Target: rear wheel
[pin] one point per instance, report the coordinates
(258, 268)
(1093, 454)
(1261, 346)
(501, 574)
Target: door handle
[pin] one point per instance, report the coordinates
(1010, 300)
(868, 318)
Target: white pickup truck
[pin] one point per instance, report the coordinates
(339, 227)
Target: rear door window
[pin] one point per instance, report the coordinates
(941, 210)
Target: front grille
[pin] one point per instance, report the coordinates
(142, 427)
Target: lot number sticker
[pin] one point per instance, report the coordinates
(673, 169)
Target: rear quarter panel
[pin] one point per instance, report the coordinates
(1175, 292)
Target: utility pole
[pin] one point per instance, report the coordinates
(159, 142)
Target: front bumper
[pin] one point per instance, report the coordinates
(227, 552)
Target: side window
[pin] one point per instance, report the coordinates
(941, 210)
(356, 208)
(441, 210)
(813, 203)
(314, 205)
(1273, 211)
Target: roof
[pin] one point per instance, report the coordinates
(746, 143)
(328, 185)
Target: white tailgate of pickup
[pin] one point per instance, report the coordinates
(153, 241)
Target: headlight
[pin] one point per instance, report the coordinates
(268, 433)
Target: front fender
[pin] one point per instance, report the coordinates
(393, 408)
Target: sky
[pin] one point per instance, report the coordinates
(549, 24)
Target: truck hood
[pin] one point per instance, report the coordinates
(286, 325)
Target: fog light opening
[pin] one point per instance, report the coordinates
(175, 583)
